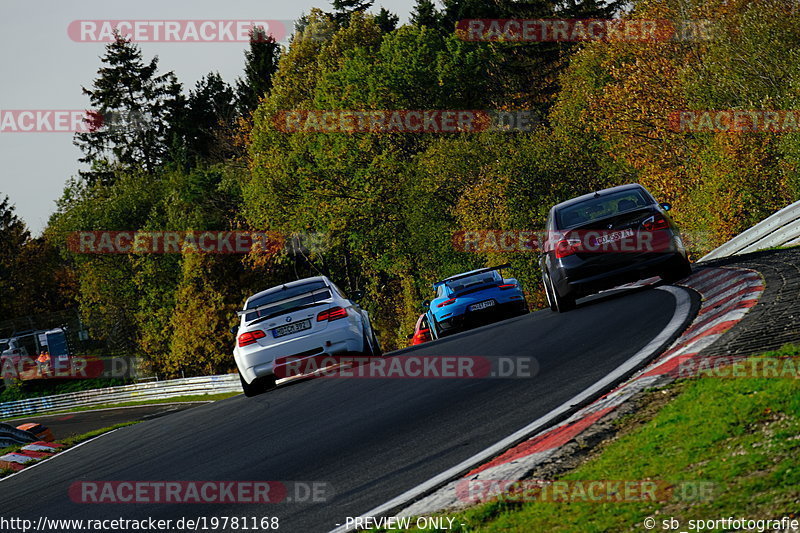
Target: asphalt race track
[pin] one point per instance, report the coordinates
(368, 439)
(64, 425)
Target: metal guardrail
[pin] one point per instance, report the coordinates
(779, 229)
(157, 390)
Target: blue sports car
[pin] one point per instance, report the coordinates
(473, 299)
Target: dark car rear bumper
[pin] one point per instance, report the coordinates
(473, 319)
(568, 284)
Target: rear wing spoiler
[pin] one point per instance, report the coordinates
(474, 272)
(276, 302)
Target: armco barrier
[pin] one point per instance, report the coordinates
(154, 390)
(779, 229)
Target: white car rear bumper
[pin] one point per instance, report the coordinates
(339, 337)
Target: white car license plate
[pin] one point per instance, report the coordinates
(481, 305)
(288, 329)
(614, 236)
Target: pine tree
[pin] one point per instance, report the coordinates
(140, 112)
(261, 63)
(386, 20)
(13, 236)
(426, 14)
(342, 9)
(211, 113)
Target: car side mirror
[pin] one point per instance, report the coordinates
(356, 295)
(426, 303)
(666, 206)
(234, 329)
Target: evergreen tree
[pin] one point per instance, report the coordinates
(342, 9)
(386, 20)
(13, 236)
(138, 112)
(261, 63)
(426, 14)
(211, 112)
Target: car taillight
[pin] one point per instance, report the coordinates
(250, 337)
(447, 302)
(567, 247)
(334, 313)
(506, 286)
(655, 223)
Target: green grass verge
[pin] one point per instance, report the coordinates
(740, 436)
(77, 439)
(177, 399)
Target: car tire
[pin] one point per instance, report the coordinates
(434, 329)
(678, 272)
(558, 303)
(377, 351)
(258, 386)
(372, 347)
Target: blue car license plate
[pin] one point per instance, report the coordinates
(481, 305)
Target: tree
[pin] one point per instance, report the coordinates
(343, 9)
(386, 20)
(211, 114)
(14, 235)
(261, 63)
(455, 10)
(137, 112)
(426, 14)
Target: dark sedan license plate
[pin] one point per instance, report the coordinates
(288, 329)
(481, 305)
(614, 236)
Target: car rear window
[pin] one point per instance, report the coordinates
(290, 293)
(462, 284)
(602, 207)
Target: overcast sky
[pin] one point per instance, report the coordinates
(44, 69)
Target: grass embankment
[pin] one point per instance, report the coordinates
(738, 436)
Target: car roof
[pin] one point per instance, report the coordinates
(471, 272)
(603, 192)
(288, 285)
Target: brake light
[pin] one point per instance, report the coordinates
(566, 247)
(506, 286)
(447, 302)
(655, 223)
(250, 337)
(334, 313)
